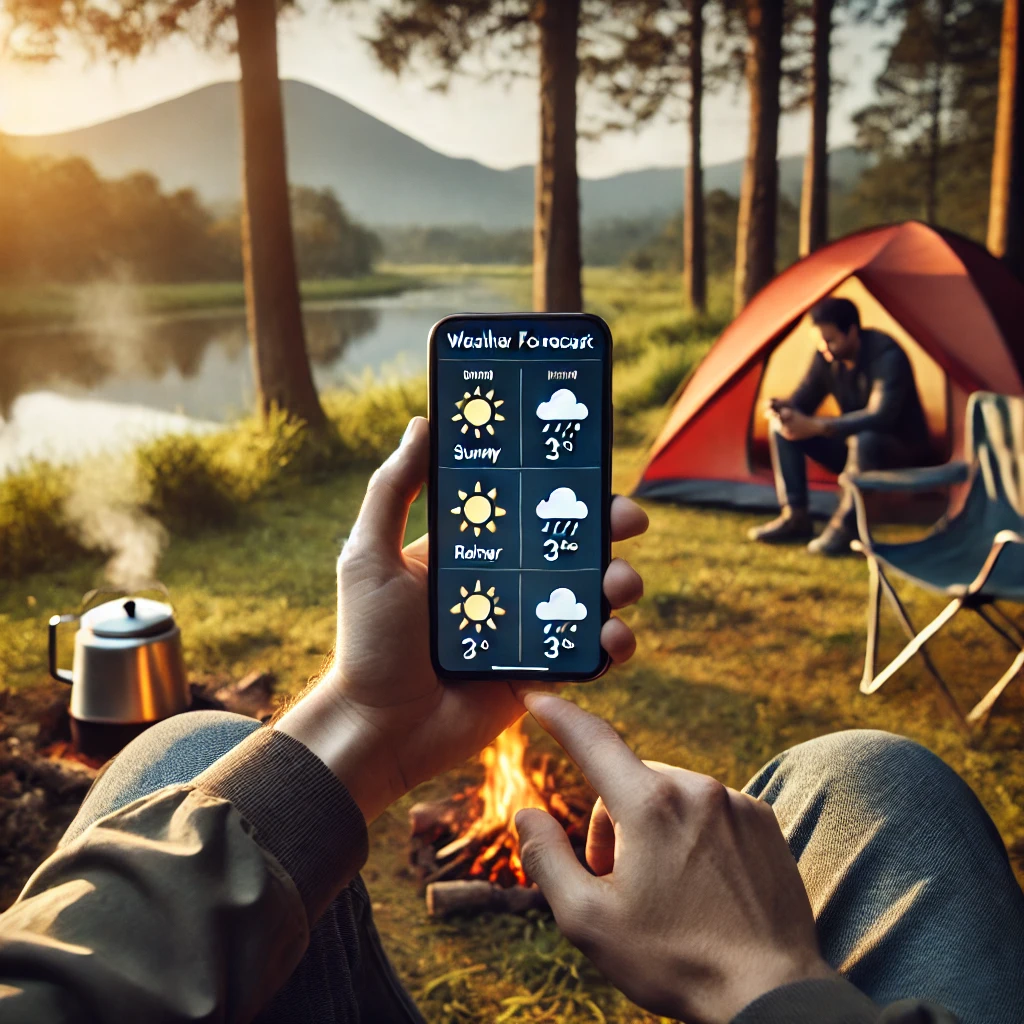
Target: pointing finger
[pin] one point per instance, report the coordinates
(609, 765)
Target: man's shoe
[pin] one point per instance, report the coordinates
(794, 525)
(834, 541)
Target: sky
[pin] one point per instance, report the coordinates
(489, 122)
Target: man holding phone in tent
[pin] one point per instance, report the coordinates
(881, 424)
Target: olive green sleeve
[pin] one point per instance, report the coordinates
(193, 903)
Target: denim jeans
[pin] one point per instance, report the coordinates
(908, 878)
(857, 453)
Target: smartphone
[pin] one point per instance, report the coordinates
(519, 495)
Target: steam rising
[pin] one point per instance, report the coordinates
(106, 507)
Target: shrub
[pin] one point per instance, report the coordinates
(184, 484)
(35, 532)
(370, 421)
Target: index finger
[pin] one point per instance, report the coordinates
(599, 752)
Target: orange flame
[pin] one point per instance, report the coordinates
(506, 790)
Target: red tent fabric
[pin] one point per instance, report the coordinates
(945, 297)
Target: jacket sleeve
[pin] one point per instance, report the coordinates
(836, 1001)
(889, 393)
(811, 391)
(191, 904)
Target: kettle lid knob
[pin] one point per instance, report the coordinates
(129, 607)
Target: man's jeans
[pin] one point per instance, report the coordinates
(857, 453)
(909, 881)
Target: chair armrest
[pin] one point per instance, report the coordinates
(999, 542)
(919, 478)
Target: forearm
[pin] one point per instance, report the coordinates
(850, 423)
(196, 896)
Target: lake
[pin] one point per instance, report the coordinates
(70, 391)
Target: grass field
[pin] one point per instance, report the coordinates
(47, 305)
(742, 651)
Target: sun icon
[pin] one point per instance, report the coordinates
(477, 607)
(478, 510)
(477, 411)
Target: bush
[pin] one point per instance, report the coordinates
(35, 531)
(370, 421)
(185, 485)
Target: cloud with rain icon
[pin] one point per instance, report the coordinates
(562, 413)
(561, 611)
(561, 512)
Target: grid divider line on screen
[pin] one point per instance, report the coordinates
(520, 616)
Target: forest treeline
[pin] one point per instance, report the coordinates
(64, 223)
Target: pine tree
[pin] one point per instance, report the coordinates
(1006, 204)
(759, 191)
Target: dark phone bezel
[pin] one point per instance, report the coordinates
(432, 516)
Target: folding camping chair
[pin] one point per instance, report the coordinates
(976, 557)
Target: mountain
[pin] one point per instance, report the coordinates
(383, 176)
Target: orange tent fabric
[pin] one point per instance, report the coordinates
(948, 299)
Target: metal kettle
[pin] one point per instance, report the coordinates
(128, 671)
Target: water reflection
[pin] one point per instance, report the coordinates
(198, 364)
(65, 392)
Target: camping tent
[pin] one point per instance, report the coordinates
(956, 310)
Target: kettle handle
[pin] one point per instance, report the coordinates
(60, 674)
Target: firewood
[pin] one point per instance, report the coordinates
(483, 840)
(428, 816)
(474, 897)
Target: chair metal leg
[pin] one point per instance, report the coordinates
(915, 646)
(874, 608)
(1014, 641)
(981, 710)
(1015, 630)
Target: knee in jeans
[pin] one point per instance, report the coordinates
(866, 450)
(868, 760)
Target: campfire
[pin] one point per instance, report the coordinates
(466, 850)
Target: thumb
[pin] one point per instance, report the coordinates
(380, 526)
(548, 858)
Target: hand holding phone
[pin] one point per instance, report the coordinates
(379, 717)
(518, 505)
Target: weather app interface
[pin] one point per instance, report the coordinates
(519, 493)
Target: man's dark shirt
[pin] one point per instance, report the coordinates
(877, 394)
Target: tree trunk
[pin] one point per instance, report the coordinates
(280, 362)
(694, 245)
(1006, 200)
(556, 225)
(814, 195)
(931, 199)
(759, 193)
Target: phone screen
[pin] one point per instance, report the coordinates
(520, 419)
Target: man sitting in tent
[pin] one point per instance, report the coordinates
(881, 425)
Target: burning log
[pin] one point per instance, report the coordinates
(474, 897)
(465, 850)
